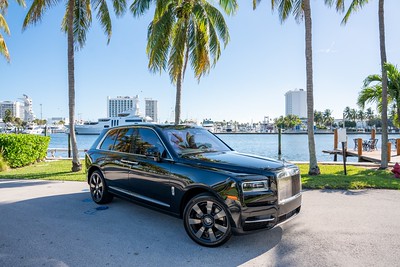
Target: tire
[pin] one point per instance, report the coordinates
(206, 221)
(98, 188)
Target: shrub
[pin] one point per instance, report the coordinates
(3, 164)
(23, 149)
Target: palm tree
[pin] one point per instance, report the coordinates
(301, 10)
(372, 90)
(327, 118)
(76, 22)
(347, 113)
(354, 6)
(183, 30)
(4, 27)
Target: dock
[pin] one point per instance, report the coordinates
(366, 156)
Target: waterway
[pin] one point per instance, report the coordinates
(294, 146)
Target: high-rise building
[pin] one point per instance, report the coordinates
(296, 103)
(27, 114)
(151, 109)
(120, 104)
(15, 107)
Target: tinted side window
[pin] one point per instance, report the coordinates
(108, 142)
(145, 139)
(124, 141)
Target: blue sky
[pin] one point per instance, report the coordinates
(263, 60)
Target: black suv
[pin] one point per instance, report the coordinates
(190, 173)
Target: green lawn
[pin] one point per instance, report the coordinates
(52, 170)
(332, 176)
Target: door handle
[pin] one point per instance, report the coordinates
(129, 162)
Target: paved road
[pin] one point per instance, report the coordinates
(44, 223)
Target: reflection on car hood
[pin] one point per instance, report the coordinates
(236, 162)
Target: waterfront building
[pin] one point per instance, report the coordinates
(15, 107)
(120, 104)
(28, 114)
(151, 109)
(296, 103)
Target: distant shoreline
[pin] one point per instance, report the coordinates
(299, 133)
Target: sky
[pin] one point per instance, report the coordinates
(263, 60)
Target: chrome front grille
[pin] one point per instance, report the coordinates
(289, 185)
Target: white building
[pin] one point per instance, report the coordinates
(151, 109)
(296, 103)
(27, 114)
(13, 106)
(120, 104)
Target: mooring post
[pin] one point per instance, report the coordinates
(398, 146)
(389, 149)
(373, 132)
(279, 141)
(360, 148)
(335, 143)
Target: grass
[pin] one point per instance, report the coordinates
(332, 176)
(51, 170)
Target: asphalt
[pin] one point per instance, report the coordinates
(47, 223)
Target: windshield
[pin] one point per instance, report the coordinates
(187, 140)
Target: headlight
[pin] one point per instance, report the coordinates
(255, 186)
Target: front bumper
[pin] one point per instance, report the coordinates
(266, 217)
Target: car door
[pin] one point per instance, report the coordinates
(148, 176)
(118, 144)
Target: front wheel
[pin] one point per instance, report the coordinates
(206, 221)
(98, 188)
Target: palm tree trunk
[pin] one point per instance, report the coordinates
(178, 99)
(384, 151)
(76, 165)
(313, 167)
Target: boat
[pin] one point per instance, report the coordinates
(32, 129)
(128, 117)
(208, 124)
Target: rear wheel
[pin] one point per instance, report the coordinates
(98, 188)
(206, 221)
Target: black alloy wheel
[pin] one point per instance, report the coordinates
(206, 221)
(98, 189)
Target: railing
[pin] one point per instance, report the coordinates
(63, 153)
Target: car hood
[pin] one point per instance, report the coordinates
(236, 162)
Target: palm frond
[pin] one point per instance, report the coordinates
(158, 40)
(371, 94)
(284, 9)
(178, 49)
(354, 7)
(139, 7)
(256, 3)
(372, 78)
(3, 49)
(36, 11)
(103, 15)
(3, 25)
(217, 21)
(230, 6)
(119, 7)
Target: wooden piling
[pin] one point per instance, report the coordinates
(373, 133)
(398, 146)
(360, 148)
(389, 153)
(335, 143)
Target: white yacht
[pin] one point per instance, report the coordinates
(208, 124)
(33, 129)
(131, 116)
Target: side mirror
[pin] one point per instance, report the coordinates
(154, 152)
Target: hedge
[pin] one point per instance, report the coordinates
(23, 149)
